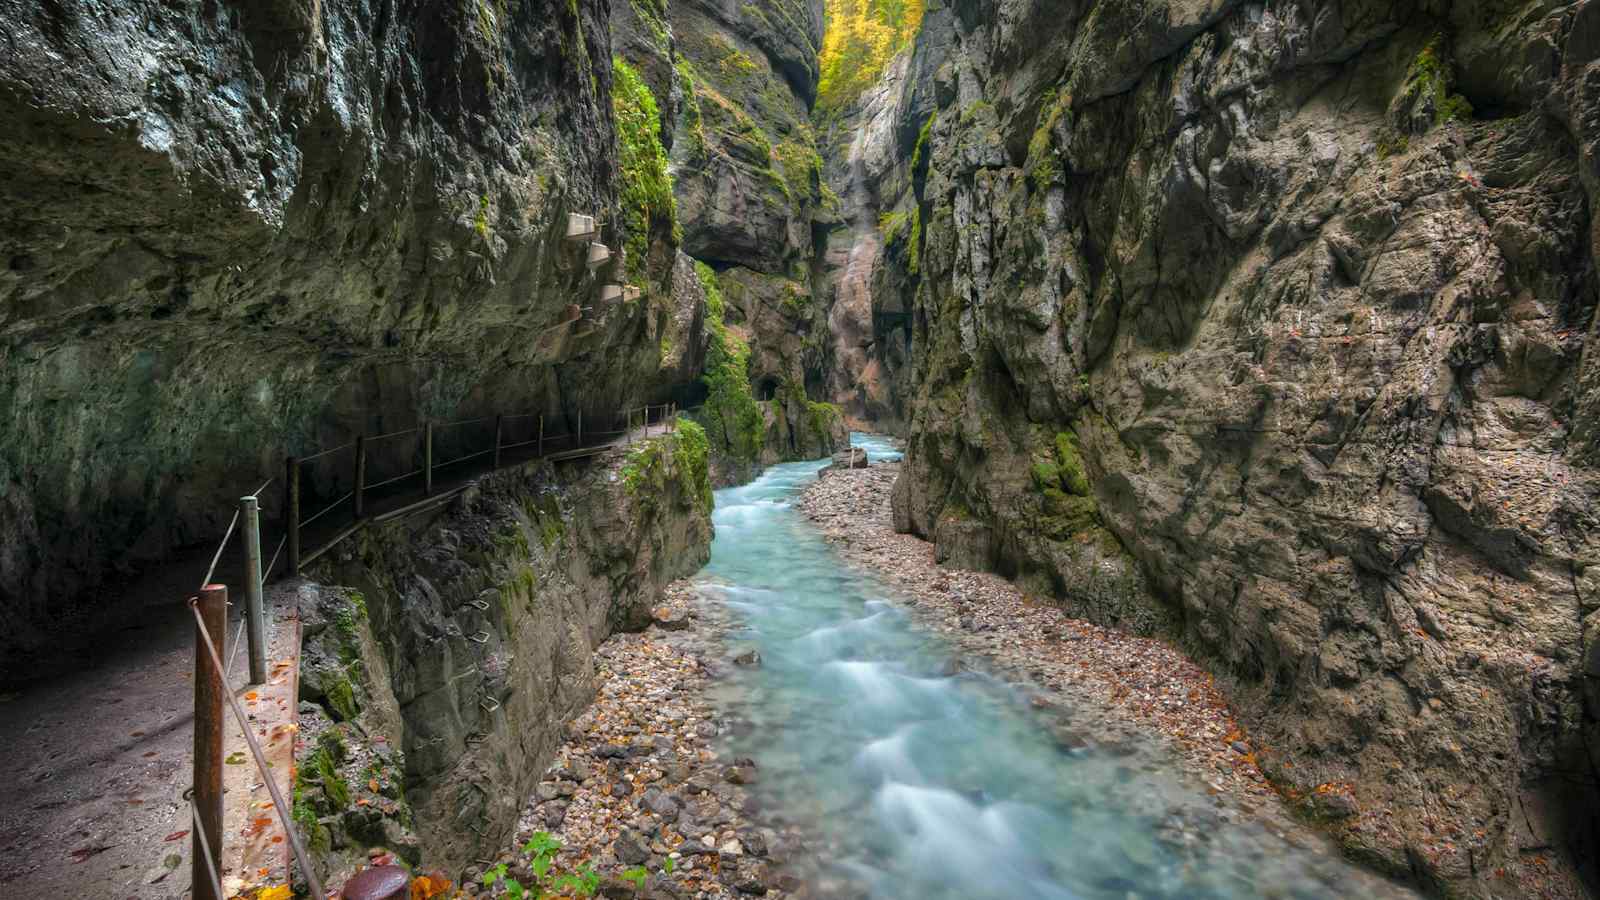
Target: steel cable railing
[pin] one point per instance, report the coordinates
(567, 445)
(296, 845)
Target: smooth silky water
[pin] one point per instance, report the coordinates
(920, 785)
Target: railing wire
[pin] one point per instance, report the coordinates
(205, 846)
(278, 805)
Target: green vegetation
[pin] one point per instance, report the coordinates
(733, 62)
(1431, 77)
(861, 37)
(1391, 142)
(654, 15)
(800, 168)
(820, 416)
(1069, 508)
(693, 118)
(481, 221)
(733, 418)
(649, 465)
(1043, 164)
(892, 224)
(647, 202)
(541, 851)
(914, 246)
(694, 452)
(645, 469)
(919, 152)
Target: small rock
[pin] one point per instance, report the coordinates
(754, 844)
(630, 850)
(747, 658)
(670, 619)
(554, 815)
(739, 775)
(1241, 748)
(695, 848)
(663, 806)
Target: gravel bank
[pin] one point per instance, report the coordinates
(637, 782)
(1118, 687)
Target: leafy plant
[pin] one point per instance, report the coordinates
(541, 851)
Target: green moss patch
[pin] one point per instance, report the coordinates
(648, 207)
(733, 420)
(1430, 79)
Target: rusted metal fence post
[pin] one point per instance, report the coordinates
(255, 614)
(208, 687)
(499, 421)
(361, 475)
(541, 434)
(291, 511)
(427, 458)
(578, 441)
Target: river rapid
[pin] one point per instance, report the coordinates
(924, 781)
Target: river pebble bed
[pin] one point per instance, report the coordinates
(824, 712)
(638, 785)
(1118, 686)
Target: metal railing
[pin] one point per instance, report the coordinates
(567, 445)
(210, 604)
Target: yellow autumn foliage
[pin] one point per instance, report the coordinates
(860, 39)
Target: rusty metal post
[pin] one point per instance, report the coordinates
(255, 613)
(498, 422)
(291, 506)
(208, 689)
(541, 434)
(627, 427)
(427, 458)
(578, 441)
(361, 476)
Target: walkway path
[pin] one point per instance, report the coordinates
(98, 756)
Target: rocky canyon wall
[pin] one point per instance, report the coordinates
(734, 85)
(1270, 327)
(233, 231)
(460, 642)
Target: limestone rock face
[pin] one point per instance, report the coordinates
(868, 360)
(1269, 328)
(236, 231)
(739, 80)
(487, 613)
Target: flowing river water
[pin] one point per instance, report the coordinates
(926, 785)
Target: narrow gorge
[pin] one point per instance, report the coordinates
(816, 448)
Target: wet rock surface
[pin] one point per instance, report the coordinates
(233, 234)
(483, 619)
(1271, 331)
(1128, 684)
(1093, 686)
